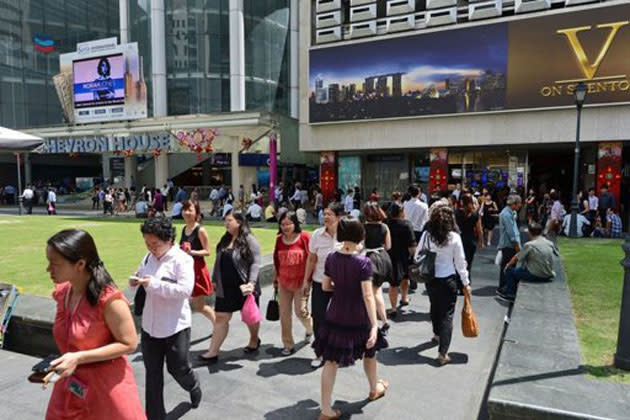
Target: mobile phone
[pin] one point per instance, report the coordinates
(44, 365)
(136, 278)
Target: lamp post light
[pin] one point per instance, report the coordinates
(580, 95)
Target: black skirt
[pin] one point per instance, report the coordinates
(381, 267)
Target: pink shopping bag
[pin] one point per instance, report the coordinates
(250, 314)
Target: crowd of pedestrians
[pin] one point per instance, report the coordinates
(341, 268)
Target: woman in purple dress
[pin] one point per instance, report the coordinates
(349, 331)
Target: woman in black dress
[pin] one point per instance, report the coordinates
(403, 247)
(236, 275)
(377, 242)
(489, 216)
(469, 224)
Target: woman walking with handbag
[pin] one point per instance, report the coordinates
(322, 242)
(377, 242)
(403, 246)
(94, 330)
(194, 241)
(349, 331)
(289, 259)
(442, 238)
(236, 274)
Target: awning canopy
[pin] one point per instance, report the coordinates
(16, 141)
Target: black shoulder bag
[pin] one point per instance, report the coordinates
(140, 297)
(422, 269)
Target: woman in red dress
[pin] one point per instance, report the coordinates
(195, 242)
(94, 330)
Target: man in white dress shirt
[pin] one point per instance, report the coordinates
(416, 211)
(27, 196)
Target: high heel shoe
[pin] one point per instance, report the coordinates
(252, 349)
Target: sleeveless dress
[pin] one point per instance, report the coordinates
(203, 285)
(109, 387)
(343, 335)
(382, 270)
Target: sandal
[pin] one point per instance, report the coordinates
(404, 303)
(379, 394)
(252, 349)
(337, 416)
(443, 360)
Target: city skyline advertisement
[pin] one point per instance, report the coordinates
(526, 63)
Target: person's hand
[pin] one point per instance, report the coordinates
(144, 281)
(467, 290)
(65, 365)
(372, 339)
(306, 288)
(247, 289)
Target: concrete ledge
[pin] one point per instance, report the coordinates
(539, 374)
(30, 329)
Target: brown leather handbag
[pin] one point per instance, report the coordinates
(470, 326)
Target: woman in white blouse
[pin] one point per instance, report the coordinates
(441, 236)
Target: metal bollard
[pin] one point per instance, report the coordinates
(622, 356)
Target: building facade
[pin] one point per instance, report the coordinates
(225, 65)
(440, 92)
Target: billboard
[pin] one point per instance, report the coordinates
(526, 63)
(99, 81)
(107, 83)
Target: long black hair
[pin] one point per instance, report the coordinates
(441, 223)
(240, 244)
(75, 245)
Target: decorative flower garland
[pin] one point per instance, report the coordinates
(247, 143)
(198, 141)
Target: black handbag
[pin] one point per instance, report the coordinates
(422, 269)
(273, 310)
(140, 296)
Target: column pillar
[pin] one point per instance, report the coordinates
(158, 76)
(123, 8)
(294, 53)
(131, 174)
(237, 56)
(27, 169)
(107, 173)
(235, 169)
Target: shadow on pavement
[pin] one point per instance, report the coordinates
(541, 376)
(486, 291)
(290, 366)
(412, 316)
(304, 410)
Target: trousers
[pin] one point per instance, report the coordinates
(443, 297)
(174, 349)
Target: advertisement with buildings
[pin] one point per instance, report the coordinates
(106, 82)
(526, 63)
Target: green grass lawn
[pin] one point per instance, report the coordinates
(595, 279)
(119, 243)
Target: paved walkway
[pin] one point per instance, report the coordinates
(269, 386)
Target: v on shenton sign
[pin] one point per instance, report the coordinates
(525, 63)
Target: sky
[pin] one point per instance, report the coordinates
(426, 58)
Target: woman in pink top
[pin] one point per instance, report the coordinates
(94, 331)
(289, 258)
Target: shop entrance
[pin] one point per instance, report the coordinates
(552, 168)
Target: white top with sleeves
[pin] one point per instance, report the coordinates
(449, 258)
(321, 244)
(166, 309)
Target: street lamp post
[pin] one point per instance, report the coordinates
(580, 95)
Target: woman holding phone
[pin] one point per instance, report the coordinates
(93, 324)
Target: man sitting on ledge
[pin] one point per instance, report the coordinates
(536, 263)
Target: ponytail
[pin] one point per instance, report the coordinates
(99, 278)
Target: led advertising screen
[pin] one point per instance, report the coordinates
(534, 62)
(99, 81)
(102, 81)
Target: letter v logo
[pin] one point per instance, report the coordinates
(587, 68)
